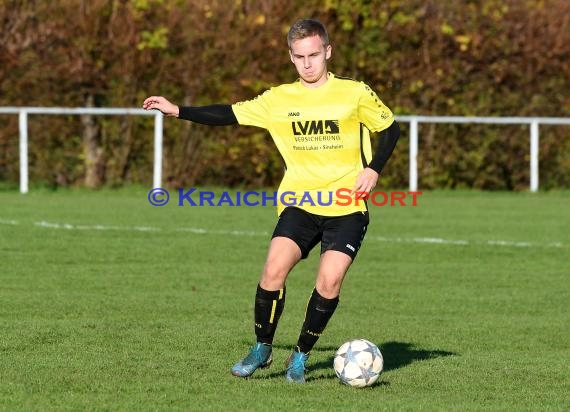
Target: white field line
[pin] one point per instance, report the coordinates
(203, 231)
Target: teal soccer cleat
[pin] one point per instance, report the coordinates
(296, 367)
(258, 357)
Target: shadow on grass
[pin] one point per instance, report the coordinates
(400, 354)
(396, 355)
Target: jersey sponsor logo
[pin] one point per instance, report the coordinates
(294, 114)
(310, 127)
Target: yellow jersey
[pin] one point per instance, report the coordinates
(323, 135)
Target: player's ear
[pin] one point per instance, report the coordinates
(291, 56)
(328, 52)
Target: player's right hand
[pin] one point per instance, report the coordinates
(162, 104)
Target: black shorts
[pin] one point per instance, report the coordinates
(341, 233)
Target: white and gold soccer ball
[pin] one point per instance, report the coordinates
(358, 363)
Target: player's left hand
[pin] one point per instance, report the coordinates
(365, 182)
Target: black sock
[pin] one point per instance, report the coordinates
(319, 311)
(268, 309)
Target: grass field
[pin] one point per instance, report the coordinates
(108, 303)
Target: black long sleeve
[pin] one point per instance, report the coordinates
(213, 115)
(388, 139)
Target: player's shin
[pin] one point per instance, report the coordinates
(319, 311)
(269, 306)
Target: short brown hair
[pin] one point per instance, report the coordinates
(306, 28)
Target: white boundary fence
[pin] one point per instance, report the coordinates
(414, 121)
(23, 113)
(534, 123)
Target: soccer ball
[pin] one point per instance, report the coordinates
(358, 363)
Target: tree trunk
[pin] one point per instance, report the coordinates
(92, 149)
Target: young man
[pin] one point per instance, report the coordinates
(320, 125)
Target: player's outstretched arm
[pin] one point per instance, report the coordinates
(162, 104)
(213, 115)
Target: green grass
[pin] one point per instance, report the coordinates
(108, 303)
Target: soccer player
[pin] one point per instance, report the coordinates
(321, 126)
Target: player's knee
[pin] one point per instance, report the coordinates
(329, 288)
(273, 276)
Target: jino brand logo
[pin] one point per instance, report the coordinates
(309, 127)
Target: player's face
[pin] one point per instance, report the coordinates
(310, 56)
